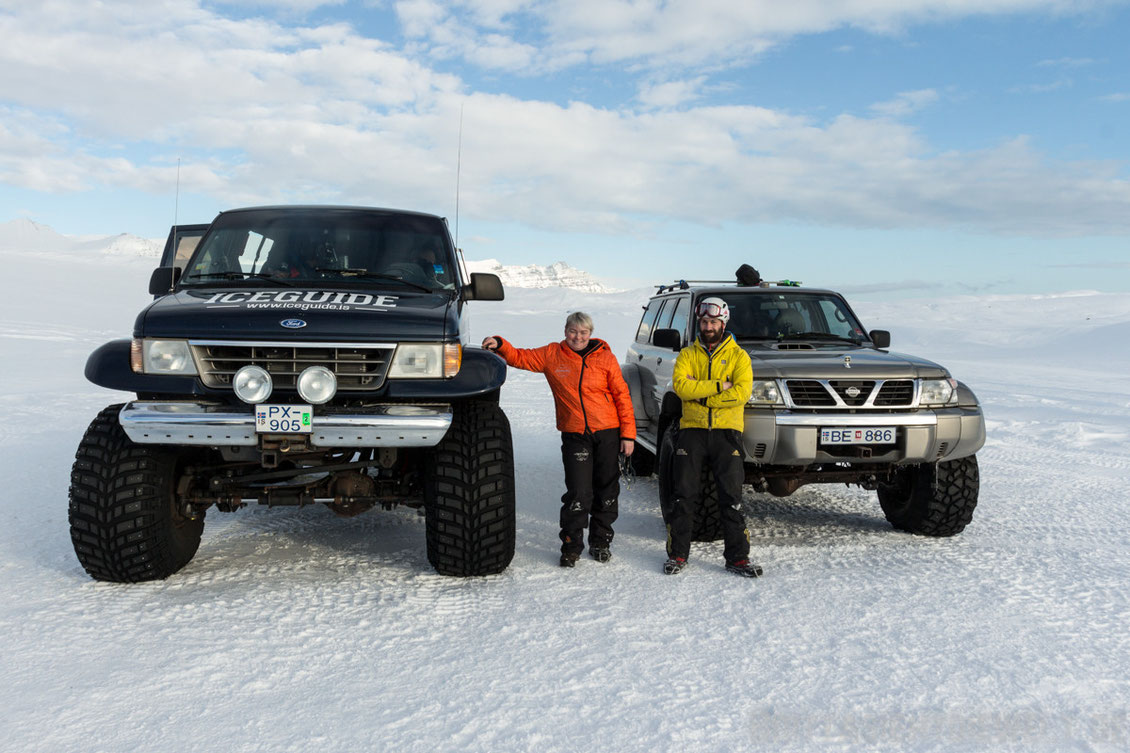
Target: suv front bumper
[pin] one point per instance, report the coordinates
(216, 424)
(789, 438)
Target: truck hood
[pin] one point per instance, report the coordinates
(300, 314)
(838, 362)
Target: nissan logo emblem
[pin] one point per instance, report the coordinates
(852, 391)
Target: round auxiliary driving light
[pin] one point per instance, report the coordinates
(317, 385)
(252, 384)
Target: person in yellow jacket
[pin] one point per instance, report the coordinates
(713, 377)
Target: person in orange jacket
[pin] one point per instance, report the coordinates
(596, 421)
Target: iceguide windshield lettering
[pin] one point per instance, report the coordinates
(303, 300)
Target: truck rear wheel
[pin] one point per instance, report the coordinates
(707, 524)
(932, 499)
(469, 494)
(126, 525)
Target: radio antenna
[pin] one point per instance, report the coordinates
(458, 168)
(176, 199)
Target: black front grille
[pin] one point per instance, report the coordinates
(895, 392)
(356, 368)
(809, 393)
(853, 392)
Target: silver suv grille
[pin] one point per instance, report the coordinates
(357, 368)
(851, 393)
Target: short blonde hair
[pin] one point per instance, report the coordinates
(579, 319)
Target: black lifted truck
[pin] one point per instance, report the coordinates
(830, 404)
(295, 355)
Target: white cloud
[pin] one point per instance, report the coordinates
(655, 34)
(263, 112)
(670, 93)
(1066, 63)
(906, 103)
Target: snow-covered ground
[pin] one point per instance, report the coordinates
(297, 630)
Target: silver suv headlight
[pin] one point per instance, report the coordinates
(938, 392)
(764, 392)
(161, 357)
(426, 361)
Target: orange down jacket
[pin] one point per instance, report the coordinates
(589, 393)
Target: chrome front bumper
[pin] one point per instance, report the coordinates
(196, 423)
(785, 438)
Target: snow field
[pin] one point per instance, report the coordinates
(293, 629)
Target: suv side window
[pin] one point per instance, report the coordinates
(647, 323)
(679, 316)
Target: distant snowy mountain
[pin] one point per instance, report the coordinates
(556, 275)
(26, 235)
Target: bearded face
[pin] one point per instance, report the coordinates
(710, 330)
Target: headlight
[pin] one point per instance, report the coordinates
(317, 385)
(938, 392)
(162, 357)
(764, 392)
(426, 361)
(252, 384)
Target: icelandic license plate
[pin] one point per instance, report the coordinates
(858, 435)
(284, 419)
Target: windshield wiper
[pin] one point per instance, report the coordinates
(821, 336)
(241, 276)
(364, 274)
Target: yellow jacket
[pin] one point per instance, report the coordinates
(698, 383)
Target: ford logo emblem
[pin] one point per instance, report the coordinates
(293, 323)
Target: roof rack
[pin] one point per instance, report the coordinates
(684, 284)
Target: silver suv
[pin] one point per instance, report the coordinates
(830, 404)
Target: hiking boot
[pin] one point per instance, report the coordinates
(744, 568)
(674, 565)
(569, 559)
(600, 553)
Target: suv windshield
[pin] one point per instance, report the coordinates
(816, 316)
(324, 245)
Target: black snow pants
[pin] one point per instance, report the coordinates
(721, 452)
(592, 488)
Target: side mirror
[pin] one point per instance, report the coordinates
(667, 338)
(881, 338)
(484, 287)
(163, 279)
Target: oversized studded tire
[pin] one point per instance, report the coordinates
(469, 493)
(932, 499)
(707, 524)
(125, 524)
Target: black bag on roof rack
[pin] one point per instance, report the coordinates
(748, 276)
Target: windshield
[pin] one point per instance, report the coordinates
(793, 314)
(293, 246)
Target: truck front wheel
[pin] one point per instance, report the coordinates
(932, 499)
(469, 493)
(126, 524)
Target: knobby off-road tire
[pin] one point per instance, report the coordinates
(918, 502)
(125, 524)
(707, 524)
(469, 494)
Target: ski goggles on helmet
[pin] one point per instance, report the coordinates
(712, 309)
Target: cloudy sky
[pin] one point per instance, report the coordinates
(903, 145)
